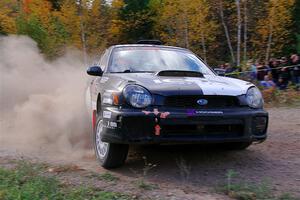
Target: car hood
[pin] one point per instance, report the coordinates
(208, 85)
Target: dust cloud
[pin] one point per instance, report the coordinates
(42, 103)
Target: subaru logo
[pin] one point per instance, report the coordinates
(202, 102)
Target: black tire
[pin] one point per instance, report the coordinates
(234, 146)
(115, 155)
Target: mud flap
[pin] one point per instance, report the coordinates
(94, 119)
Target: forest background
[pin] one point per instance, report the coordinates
(217, 30)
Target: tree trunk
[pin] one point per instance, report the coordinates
(221, 12)
(239, 30)
(203, 46)
(83, 40)
(245, 30)
(186, 29)
(270, 38)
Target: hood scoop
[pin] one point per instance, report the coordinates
(179, 73)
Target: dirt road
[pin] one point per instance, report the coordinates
(193, 172)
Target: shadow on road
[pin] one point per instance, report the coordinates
(205, 164)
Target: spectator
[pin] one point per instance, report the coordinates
(228, 68)
(283, 62)
(295, 60)
(274, 64)
(267, 83)
(262, 70)
(285, 72)
(253, 70)
(281, 84)
(285, 75)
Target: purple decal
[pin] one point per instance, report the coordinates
(191, 112)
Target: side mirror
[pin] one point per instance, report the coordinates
(94, 71)
(220, 72)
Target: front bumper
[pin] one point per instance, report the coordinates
(168, 125)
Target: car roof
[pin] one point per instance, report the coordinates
(149, 45)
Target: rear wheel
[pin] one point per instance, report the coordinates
(108, 154)
(236, 145)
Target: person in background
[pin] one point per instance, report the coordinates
(228, 68)
(284, 76)
(230, 71)
(285, 72)
(262, 70)
(283, 62)
(295, 61)
(281, 85)
(274, 64)
(253, 70)
(267, 83)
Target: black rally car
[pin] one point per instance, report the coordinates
(155, 94)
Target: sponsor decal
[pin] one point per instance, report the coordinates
(110, 125)
(209, 112)
(193, 112)
(107, 100)
(107, 94)
(113, 124)
(106, 114)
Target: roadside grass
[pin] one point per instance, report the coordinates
(242, 190)
(108, 177)
(141, 183)
(275, 98)
(29, 182)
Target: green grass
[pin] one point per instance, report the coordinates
(142, 184)
(108, 177)
(242, 190)
(26, 182)
(250, 191)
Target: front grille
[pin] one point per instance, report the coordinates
(209, 131)
(190, 101)
(138, 126)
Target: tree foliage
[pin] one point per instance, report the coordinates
(274, 31)
(256, 28)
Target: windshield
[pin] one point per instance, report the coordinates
(153, 59)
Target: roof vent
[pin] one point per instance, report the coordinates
(154, 42)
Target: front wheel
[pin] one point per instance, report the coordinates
(108, 154)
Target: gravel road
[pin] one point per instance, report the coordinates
(193, 172)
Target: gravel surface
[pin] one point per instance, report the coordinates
(193, 172)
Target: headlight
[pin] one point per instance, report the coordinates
(137, 96)
(254, 98)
